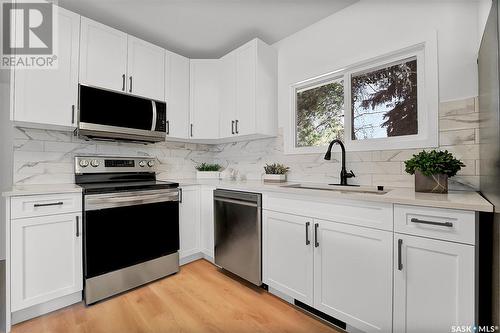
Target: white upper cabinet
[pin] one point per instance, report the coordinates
(48, 97)
(177, 95)
(146, 69)
(228, 95)
(103, 56)
(248, 91)
(204, 99)
(433, 284)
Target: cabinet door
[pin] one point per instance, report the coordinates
(228, 95)
(49, 96)
(287, 255)
(146, 69)
(46, 255)
(103, 56)
(353, 275)
(177, 95)
(207, 221)
(246, 81)
(204, 99)
(189, 221)
(433, 284)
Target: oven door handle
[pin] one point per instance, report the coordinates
(104, 202)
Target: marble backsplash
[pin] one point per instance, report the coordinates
(46, 157)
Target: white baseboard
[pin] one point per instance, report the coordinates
(195, 256)
(44, 308)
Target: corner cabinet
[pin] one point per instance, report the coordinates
(177, 95)
(48, 98)
(204, 99)
(189, 221)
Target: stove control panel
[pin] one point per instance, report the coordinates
(98, 164)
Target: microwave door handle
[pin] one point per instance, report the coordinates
(153, 123)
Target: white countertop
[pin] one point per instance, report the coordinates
(465, 200)
(22, 190)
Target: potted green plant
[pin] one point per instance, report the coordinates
(208, 171)
(275, 173)
(432, 170)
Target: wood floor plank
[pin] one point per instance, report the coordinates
(199, 299)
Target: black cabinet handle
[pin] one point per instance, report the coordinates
(123, 82)
(316, 243)
(442, 224)
(72, 114)
(236, 127)
(191, 129)
(400, 259)
(168, 127)
(180, 195)
(60, 203)
(78, 226)
(130, 88)
(232, 126)
(307, 233)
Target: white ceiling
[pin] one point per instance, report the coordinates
(206, 28)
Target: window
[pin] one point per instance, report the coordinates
(387, 105)
(384, 101)
(320, 113)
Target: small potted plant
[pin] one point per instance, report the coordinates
(208, 171)
(275, 173)
(432, 169)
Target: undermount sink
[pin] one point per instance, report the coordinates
(339, 188)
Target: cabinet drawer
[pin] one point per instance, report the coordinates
(41, 205)
(446, 224)
(376, 215)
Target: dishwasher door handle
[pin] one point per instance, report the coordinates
(237, 202)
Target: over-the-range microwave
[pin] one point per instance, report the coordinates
(105, 114)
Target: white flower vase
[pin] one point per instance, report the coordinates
(207, 174)
(274, 178)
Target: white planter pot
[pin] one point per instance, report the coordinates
(274, 178)
(207, 174)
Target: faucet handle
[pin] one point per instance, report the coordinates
(350, 174)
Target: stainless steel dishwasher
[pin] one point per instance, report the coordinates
(238, 233)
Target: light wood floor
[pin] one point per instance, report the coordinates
(198, 299)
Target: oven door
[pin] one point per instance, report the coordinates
(124, 229)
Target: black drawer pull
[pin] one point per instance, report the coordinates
(60, 203)
(442, 224)
(307, 233)
(400, 259)
(316, 243)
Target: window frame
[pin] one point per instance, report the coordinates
(427, 102)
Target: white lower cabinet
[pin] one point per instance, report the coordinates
(46, 259)
(287, 254)
(189, 221)
(353, 275)
(346, 271)
(207, 221)
(433, 284)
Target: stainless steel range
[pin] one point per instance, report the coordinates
(130, 224)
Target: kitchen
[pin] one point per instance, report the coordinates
(223, 128)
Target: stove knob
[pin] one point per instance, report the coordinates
(84, 163)
(151, 164)
(142, 164)
(94, 163)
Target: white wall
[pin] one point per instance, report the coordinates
(371, 28)
(484, 7)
